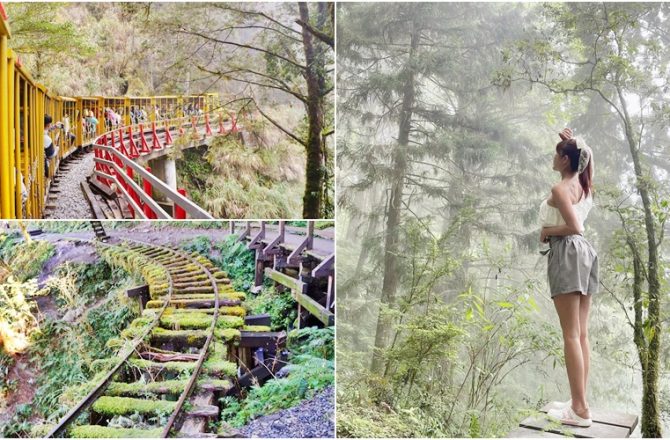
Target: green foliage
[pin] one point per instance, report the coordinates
(312, 341)
(354, 421)
(237, 261)
(18, 324)
(308, 375)
(194, 171)
(201, 245)
(19, 424)
(25, 259)
(65, 351)
(236, 181)
(6, 363)
(281, 307)
(43, 37)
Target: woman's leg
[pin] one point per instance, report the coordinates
(568, 308)
(584, 307)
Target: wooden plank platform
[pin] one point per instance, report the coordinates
(606, 424)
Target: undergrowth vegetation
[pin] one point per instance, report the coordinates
(64, 350)
(234, 180)
(311, 368)
(20, 263)
(24, 259)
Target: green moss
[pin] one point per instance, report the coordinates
(227, 321)
(191, 276)
(209, 296)
(99, 365)
(257, 328)
(137, 327)
(233, 310)
(220, 367)
(41, 431)
(233, 295)
(197, 320)
(227, 310)
(97, 431)
(117, 406)
(227, 334)
(219, 383)
(193, 320)
(172, 367)
(192, 336)
(143, 389)
(155, 304)
(115, 343)
(151, 313)
(217, 350)
(220, 274)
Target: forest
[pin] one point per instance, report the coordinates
(448, 118)
(67, 315)
(270, 64)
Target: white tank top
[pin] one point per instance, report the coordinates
(551, 216)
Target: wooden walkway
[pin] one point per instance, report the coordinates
(605, 424)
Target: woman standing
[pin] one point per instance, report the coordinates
(572, 267)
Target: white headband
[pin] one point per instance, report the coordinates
(585, 155)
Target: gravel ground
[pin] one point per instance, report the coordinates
(71, 203)
(312, 418)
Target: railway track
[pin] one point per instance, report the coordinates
(174, 360)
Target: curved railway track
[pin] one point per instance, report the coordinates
(179, 345)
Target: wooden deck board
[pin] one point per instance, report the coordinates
(596, 430)
(521, 432)
(614, 418)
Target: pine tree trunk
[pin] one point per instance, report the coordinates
(392, 230)
(651, 422)
(315, 155)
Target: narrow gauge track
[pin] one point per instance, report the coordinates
(178, 345)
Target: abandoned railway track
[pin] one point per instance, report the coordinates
(175, 359)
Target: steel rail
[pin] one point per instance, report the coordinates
(87, 401)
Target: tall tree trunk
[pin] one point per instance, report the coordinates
(315, 155)
(392, 230)
(651, 422)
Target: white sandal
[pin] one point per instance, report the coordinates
(567, 416)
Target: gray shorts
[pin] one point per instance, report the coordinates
(573, 266)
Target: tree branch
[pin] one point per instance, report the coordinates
(245, 46)
(330, 41)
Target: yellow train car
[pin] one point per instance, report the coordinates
(25, 171)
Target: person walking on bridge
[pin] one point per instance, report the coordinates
(572, 268)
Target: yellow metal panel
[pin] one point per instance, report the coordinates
(11, 141)
(25, 162)
(77, 123)
(5, 176)
(17, 146)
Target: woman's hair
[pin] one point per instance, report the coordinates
(569, 148)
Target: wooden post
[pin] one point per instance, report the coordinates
(310, 235)
(260, 267)
(141, 293)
